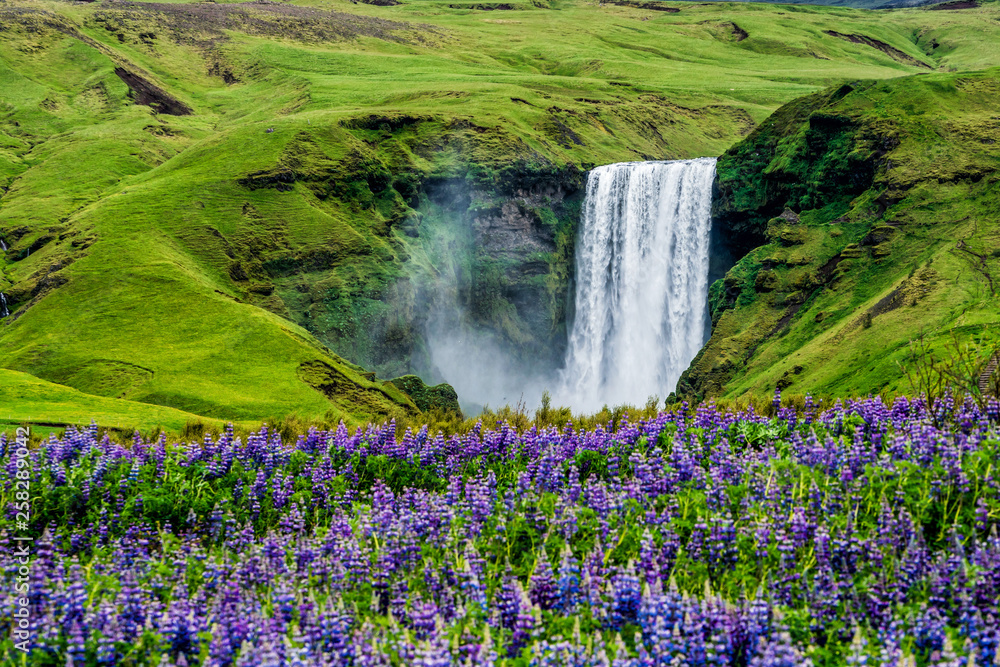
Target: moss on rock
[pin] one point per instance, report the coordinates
(440, 397)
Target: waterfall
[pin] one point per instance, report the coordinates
(4, 311)
(642, 264)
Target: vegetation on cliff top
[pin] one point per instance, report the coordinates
(876, 208)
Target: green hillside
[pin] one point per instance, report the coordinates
(205, 204)
(877, 204)
(28, 400)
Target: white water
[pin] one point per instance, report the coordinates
(4, 311)
(642, 263)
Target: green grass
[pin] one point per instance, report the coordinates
(46, 406)
(141, 267)
(927, 265)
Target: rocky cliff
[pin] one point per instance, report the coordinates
(472, 229)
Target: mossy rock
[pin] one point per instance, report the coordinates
(791, 299)
(852, 251)
(789, 236)
(766, 281)
(882, 250)
(436, 397)
(804, 280)
(348, 385)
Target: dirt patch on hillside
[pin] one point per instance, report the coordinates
(556, 127)
(637, 4)
(145, 93)
(726, 31)
(891, 51)
(782, 323)
(907, 293)
(739, 34)
(956, 4)
(828, 268)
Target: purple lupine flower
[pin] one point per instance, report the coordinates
(779, 652)
(543, 590)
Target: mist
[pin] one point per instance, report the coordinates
(464, 346)
(481, 368)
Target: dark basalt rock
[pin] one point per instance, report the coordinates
(956, 4)
(279, 180)
(891, 51)
(145, 93)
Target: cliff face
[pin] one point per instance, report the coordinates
(805, 156)
(491, 257)
(865, 216)
(454, 235)
(512, 271)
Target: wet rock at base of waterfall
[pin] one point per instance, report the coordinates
(790, 216)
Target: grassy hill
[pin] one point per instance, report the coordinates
(48, 406)
(876, 208)
(204, 204)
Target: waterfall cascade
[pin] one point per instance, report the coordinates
(642, 264)
(4, 310)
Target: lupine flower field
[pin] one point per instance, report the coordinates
(860, 534)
